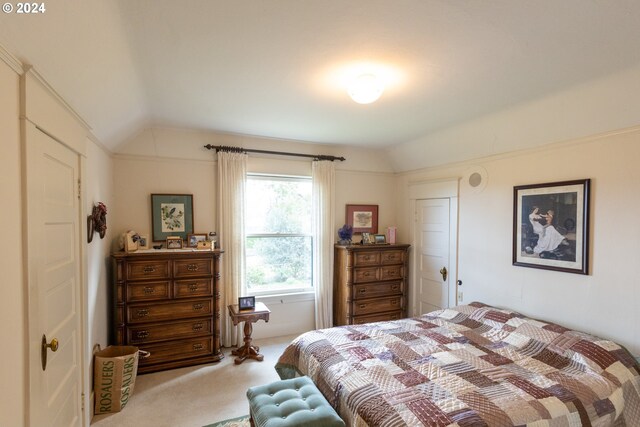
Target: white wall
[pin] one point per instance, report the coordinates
(604, 302)
(153, 162)
(13, 380)
(98, 185)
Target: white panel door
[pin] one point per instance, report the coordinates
(432, 228)
(54, 281)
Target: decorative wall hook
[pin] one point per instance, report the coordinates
(97, 221)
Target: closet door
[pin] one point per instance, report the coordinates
(53, 237)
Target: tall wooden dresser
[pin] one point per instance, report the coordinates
(369, 283)
(167, 303)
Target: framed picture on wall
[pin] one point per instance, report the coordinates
(551, 226)
(171, 215)
(363, 218)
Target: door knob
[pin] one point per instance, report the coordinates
(443, 271)
(53, 345)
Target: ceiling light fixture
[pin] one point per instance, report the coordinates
(365, 89)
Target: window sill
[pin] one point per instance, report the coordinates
(286, 298)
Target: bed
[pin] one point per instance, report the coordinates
(472, 365)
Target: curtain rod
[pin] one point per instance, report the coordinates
(279, 153)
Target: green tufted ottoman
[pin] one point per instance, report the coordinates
(294, 402)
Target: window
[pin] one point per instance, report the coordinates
(278, 234)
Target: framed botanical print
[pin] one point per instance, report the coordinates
(551, 226)
(363, 218)
(171, 215)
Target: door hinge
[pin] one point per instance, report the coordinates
(82, 402)
(79, 188)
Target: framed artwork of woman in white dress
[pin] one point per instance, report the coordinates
(551, 226)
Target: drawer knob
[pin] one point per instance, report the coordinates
(198, 347)
(148, 290)
(142, 334)
(394, 302)
(394, 287)
(149, 269)
(198, 306)
(193, 287)
(362, 290)
(197, 326)
(363, 306)
(143, 312)
(366, 257)
(192, 267)
(366, 274)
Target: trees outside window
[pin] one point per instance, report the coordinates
(278, 234)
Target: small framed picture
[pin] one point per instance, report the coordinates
(174, 242)
(247, 303)
(363, 218)
(366, 238)
(379, 239)
(143, 241)
(193, 239)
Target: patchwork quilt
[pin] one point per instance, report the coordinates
(472, 365)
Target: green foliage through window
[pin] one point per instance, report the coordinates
(278, 229)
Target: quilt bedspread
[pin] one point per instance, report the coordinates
(472, 365)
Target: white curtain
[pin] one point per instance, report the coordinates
(232, 174)
(323, 205)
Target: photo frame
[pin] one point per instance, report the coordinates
(379, 239)
(366, 238)
(174, 242)
(246, 303)
(551, 226)
(194, 238)
(143, 241)
(363, 218)
(171, 215)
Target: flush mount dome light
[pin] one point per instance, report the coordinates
(365, 89)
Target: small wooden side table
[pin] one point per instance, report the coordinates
(248, 351)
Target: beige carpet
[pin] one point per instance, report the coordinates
(198, 395)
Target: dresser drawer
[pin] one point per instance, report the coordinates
(392, 257)
(368, 274)
(377, 289)
(176, 350)
(171, 311)
(391, 272)
(169, 331)
(192, 288)
(137, 270)
(192, 267)
(147, 291)
(366, 258)
(382, 317)
(376, 305)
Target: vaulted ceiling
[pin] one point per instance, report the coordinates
(277, 68)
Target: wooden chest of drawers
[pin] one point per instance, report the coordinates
(167, 303)
(369, 283)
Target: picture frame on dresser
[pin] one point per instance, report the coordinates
(379, 239)
(171, 215)
(194, 238)
(174, 242)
